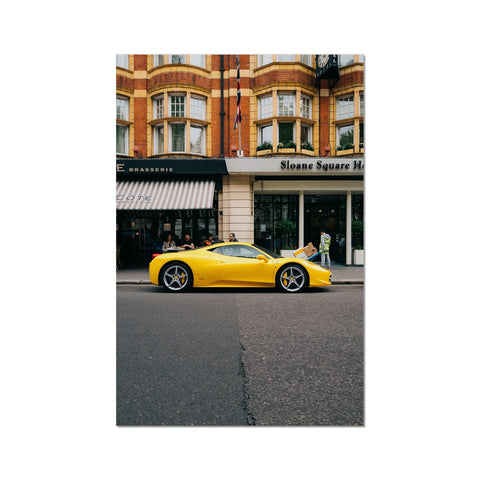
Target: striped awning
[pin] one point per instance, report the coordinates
(165, 195)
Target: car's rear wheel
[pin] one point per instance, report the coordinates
(176, 277)
(292, 278)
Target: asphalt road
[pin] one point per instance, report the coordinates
(236, 357)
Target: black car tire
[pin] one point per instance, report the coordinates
(176, 277)
(292, 278)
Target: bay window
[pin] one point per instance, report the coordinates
(158, 139)
(286, 105)
(177, 105)
(197, 139)
(158, 111)
(265, 107)
(264, 59)
(122, 139)
(305, 107)
(286, 133)
(265, 134)
(345, 107)
(197, 60)
(305, 134)
(345, 137)
(177, 137)
(158, 60)
(177, 59)
(306, 59)
(344, 60)
(198, 107)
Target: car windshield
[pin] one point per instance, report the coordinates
(268, 252)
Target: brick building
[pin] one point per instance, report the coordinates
(296, 155)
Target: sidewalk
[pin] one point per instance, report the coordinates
(341, 275)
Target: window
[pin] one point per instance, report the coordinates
(158, 107)
(286, 105)
(122, 61)
(345, 107)
(197, 139)
(122, 108)
(158, 139)
(286, 133)
(285, 58)
(198, 107)
(177, 59)
(233, 250)
(122, 129)
(177, 136)
(122, 139)
(265, 134)
(305, 134)
(345, 60)
(158, 60)
(362, 105)
(306, 59)
(264, 59)
(345, 137)
(305, 107)
(265, 107)
(198, 60)
(177, 105)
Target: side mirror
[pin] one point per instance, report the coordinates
(262, 257)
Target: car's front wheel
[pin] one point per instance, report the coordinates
(176, 277)
(292, 278)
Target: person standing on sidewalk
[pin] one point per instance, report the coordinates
(324, 249)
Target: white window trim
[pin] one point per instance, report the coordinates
(170, 137)
(286, 94)
(204, 138)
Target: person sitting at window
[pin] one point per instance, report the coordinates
(168, 243)
(187, 242)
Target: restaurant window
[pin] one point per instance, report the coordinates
(286, 105)
(177, 136)
(177, 105)
(122, 61)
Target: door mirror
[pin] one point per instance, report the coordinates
(262, 257)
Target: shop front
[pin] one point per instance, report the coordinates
(292, 206)
(157, 198)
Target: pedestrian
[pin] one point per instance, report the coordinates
(168, 243)
(209, 240)
(232, 238)
(324, 249)
(187, 242)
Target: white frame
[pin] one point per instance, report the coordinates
(203, 130)
(197, 101)
(127, 134)
(156, 107)
(158, 132)
(261, 129)
(281, 106)
(348, 109)
(265, 110)
(170, 137)
(170, 104)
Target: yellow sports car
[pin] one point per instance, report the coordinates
(234, 264)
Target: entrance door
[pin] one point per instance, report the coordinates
(328, 213)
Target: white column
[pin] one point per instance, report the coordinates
(301, 220)
(348, 233)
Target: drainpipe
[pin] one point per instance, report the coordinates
(222, 111)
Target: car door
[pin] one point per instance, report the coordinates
(239, 265)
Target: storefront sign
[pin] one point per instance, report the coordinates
(326, 165)
(155, 166)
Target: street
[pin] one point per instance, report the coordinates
(240, 357)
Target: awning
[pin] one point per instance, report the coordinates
(165, 195)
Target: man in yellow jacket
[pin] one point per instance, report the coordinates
(324, 249)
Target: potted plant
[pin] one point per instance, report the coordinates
(306, 148)
(264, 149)
(288, 147)
(284, 228)
(358, 252)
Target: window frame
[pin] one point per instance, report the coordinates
(284, 110)
(195, 101)
(265, 110)
(347, 110)
(122, 60)
(171, 136)
(203, 136)
(173, 111)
